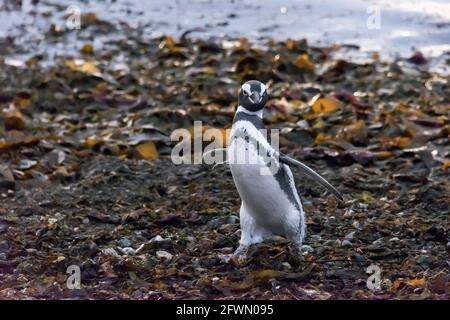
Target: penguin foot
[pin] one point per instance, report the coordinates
(239, 257)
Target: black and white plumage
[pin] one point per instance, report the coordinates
(270, 205)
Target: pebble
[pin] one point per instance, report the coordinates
(110, 252)
(3, 228)
(215, 280)
(308, 249)
(358, 257)
(448, 245)
(232, 219)
(4, 245)
(424, 260)
(350, 235)
(378, 242)
(215, 223)
(303, 124)
(157, 238)
(356, 225)
(164, 254)
(287, 265)
(348, 213)
(125, 242)
(337, 242)
(127, 251)
(161, 243)
(331, 218)
(90, 247)
(346, 243)
(394, 239)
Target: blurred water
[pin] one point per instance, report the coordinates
(404, 25)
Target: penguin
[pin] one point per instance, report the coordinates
(270, 205)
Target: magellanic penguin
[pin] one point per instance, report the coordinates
(270, 205)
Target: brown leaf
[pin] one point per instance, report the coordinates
(325, 104)
(415, 282)
(303, 63)
(16, 139)
(356, 132)
(92, 141)
(88, 48)
(14, 120)
(147, 150)
(22, 102)
(83, 66)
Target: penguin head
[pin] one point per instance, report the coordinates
(253, 95)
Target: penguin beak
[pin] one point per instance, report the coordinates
(255, 97)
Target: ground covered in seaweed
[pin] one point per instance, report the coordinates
(86, 176)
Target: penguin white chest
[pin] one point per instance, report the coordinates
(261, 193)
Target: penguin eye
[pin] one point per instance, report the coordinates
(245, 92)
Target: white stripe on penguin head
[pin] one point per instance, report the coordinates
(263, 89)
(246, 87)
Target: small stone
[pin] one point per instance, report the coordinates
(216, 222)
(215, 280)
(157, 238)
(127, 251)
(110, 252)
(303, 124)
(164, 254)
(3, 228)
(190, 239)
(90, 247)
(307, 249)
(394, 239)
(356, 225)
(348, 213)
(159, 242)
(448, 245)
(337, 243)
(424, 260)
(287, 265)
(378, 242)
(358, 257)
(346, 243)
(156, 242)
(350, 235)
(4, 245)
(124, 242)
(232, 219)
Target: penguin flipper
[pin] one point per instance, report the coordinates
(311, 174)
